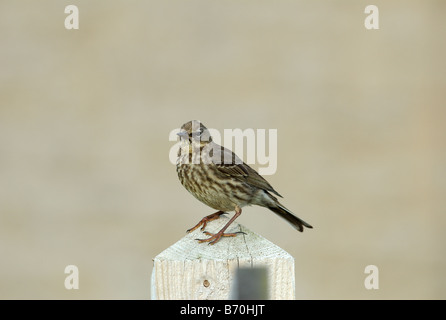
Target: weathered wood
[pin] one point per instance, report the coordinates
(192, 270)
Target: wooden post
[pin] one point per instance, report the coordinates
(192, 270)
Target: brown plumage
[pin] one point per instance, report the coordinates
(221, 180)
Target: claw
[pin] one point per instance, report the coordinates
(215, 237)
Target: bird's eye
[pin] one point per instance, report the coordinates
(198, 132)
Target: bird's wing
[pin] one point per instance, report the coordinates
(229, 164)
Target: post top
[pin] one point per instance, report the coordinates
(247, 246)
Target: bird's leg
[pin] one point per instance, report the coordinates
(214, 238)
(207, 219)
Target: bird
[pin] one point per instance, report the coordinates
(217, 177)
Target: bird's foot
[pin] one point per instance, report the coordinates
(203, 222)
(215, 237)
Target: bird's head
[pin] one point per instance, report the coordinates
(194, 132)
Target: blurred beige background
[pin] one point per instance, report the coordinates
(85, 115)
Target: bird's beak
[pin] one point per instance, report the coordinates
(183, 134)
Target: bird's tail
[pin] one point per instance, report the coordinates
(283, 212)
